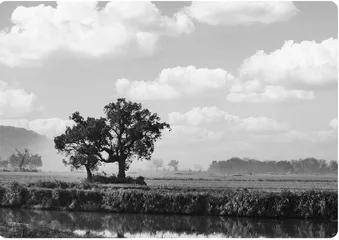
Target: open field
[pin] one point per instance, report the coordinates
(196, 180)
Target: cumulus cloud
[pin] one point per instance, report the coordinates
(203, 116)
(197, 116)
(269, 94)
(15, 102)
(315, 136)
(175, 82)
(50, 127)
(261, 125)
(308, 62)
(191, 134)
(240, 13)
(120, 28)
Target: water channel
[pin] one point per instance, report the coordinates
(149, 226)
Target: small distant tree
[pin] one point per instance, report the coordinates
(174, 164)
(24, 159)
(157, 163)
(197, 167)
(333, 166)
(35, 162)
(4, 164)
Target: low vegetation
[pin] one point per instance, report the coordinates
(103, 178)
(301, 166)
(304, 204)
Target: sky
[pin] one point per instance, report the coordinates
(246, 79)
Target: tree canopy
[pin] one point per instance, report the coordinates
(127, 132)
(174, 164)
(157, 163)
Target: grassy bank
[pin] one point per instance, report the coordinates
(304, 204)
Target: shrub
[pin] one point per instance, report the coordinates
(41, 199)
(102, 178)
(14, 195)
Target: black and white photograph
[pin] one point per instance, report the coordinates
(168, 119)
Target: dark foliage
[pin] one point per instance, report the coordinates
(100, 178)
(307, 165)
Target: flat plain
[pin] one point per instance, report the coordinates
(197, 180)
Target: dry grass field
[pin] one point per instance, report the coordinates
(197, 180)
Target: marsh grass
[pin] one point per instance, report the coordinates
(244, 203)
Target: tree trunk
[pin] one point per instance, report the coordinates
(89, 174)
(121, 173)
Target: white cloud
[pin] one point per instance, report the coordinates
(191, 134)
(175, 82)
(203, 116)
(50, 127)
(307, 62)
(269, 94)
(240, 13)
(142, 90)
(197, 116)
(261, 125)
(334, 123)
(121, 28)
(314, 136)
(15, 102)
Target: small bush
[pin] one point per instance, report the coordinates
(101, 178)
(14, 195)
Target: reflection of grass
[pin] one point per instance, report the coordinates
(305, 204)
(13, 226)
(22, 231)
(153, 225)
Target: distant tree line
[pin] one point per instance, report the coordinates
(307, 165)
(22, 161)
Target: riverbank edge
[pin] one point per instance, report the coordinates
(238, 203)
(22, 231)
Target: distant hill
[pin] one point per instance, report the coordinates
(12, 138)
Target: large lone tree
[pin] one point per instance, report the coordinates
(132, 133)
(128, 132)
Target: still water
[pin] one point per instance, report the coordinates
(148, 226)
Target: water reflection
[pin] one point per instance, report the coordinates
(139, 225)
